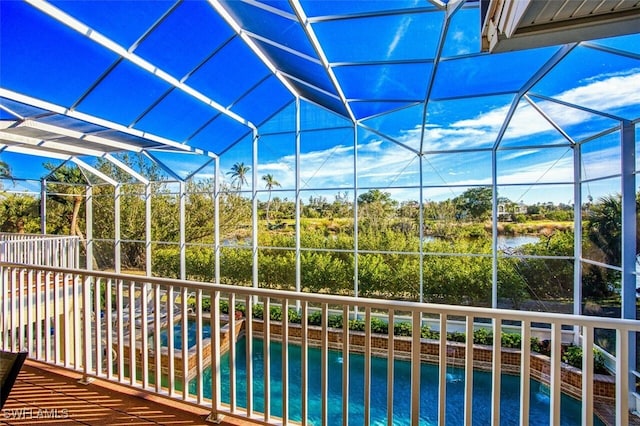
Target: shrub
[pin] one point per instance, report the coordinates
(379, 326)
(258, 311)
(510, 340)
(275, 313)
(427, 333)
(294, 316)
(572, 355)
(315, 318)
(457, 336)
(206, 305)
(536, 345)
(356, 325)
(402, 329)
(335, 321)
(482, 336)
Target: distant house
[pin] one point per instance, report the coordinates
(511, 209)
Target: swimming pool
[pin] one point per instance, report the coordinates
(177, 335)
(510, 391)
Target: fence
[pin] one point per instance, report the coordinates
(43, 250)
(134, 331)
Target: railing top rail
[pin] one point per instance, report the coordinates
(382, 304)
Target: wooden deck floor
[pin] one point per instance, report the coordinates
(46, 395)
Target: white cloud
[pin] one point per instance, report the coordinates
(402, 29)
(607, 92)
(385, 164)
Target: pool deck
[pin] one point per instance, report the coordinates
(47, 395)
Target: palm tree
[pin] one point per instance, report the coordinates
(238, 174)
(605, 227)
(270, 183)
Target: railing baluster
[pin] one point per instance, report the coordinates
(77, 323)
(304, 361)
(324, 393)
(285, 361)
(170, 342)
(416, 323)
(215, 357)
(345, 365)
(15, 303)
(108, 315)
(199, 341)
(144, 339)
(555, 373)
(442, 378)
(266, 317)
(132, 332)
(157, 330)
(97, 323)
(4, 319)
(120, 319)
(185, 343)
(248, 332)
(66, 287)
(496, 374)
(58, 290)
(39, 319)
(24, 304)
(468, 372)
(48, 285)
(587, 376)
(525, 371)
(86, 327)
(367, 364)
(232, 352)
(622, 379)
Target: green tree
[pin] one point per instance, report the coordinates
(547, 278)
(238, 173)
(604, 228)
(67, 186)
(19, 213)
(475, 203)
(511, 284)
(376, 208)
(342, 206)
(440, 218)
(270, 183)
(604, 231)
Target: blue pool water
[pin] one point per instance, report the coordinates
(177, 335)
(510, 402)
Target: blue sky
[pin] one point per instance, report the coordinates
(590, 76)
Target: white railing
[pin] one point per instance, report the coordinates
(39, 249)
(131, 330)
